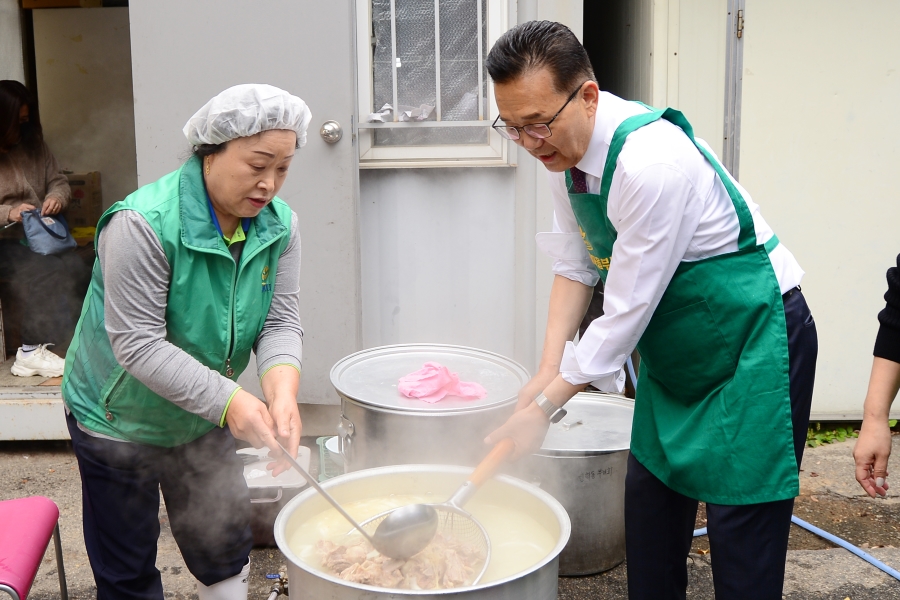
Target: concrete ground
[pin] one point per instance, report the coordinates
(830, 498)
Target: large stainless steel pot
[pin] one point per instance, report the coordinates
(379, 426)
(538, 582)
(583, 466)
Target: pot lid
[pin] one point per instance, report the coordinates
(371, 376)
(595, 424)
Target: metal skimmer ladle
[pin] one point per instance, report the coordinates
(386, 547)
(409, 529)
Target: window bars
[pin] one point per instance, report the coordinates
(429, 78)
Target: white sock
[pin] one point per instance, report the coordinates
(27, 349)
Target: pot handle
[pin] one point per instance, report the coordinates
(266, 500)
(484, 471)
(496, 457)
(345, 430)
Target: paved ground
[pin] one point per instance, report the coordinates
(829, 499)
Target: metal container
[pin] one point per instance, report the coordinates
(269, 494)
(380, 426)
(539, 582)
(582, 463)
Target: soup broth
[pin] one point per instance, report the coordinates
(518, 541)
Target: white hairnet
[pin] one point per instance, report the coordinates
(245, 110)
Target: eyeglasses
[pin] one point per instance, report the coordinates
(536, 130)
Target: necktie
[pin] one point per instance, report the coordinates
(579, 184)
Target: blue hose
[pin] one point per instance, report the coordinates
(834, 540)
(630, 366)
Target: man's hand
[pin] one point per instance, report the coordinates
(535, 386)
(871, 453)
(51, 206)
(15, 213)
(527, 428)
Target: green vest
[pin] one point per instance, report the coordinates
(215, 310)
(712, 417)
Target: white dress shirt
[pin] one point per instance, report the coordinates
(667, 205)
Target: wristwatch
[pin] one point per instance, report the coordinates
(554, 413)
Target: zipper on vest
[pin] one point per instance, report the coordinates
(229, 371)
(236, 273)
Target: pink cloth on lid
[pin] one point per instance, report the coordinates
(434, 381)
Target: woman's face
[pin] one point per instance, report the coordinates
(18, 132)
(243, 178)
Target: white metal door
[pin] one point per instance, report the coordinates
(819, 153)
(184, 53)
(688, 61)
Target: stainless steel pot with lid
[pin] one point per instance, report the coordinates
(582, 463)
(380, 426)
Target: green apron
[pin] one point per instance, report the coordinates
(712, 416)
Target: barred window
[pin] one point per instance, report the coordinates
(424, 92)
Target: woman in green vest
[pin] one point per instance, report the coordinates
(193, 272)
(696, 280)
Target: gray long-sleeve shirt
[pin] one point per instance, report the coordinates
(136, 280)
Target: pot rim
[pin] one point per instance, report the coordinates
(425, 412)
(607, 398)
(431, 410)
(579, 453)
(559, 512)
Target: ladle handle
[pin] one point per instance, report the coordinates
(315, 484)
(489, 465)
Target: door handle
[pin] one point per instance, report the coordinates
(331, 132)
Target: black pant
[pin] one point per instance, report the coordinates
(48, 291)
(748, 544)
(207, 502)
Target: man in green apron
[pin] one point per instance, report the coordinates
(697, 281)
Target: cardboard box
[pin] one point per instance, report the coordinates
(61, 3)
(86, 206)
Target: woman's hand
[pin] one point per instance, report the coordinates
(15, 213)
(51, 206)
(280, 385)
(288, 427)
(249, 420)
(871, 453)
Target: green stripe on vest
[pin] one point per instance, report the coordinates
(215, 310)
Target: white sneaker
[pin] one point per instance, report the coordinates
(40, 362)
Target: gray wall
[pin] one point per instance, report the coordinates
(11, 57)
(184, 53)
(83, 62)
(438, 257)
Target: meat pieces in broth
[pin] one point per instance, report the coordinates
(445, 563)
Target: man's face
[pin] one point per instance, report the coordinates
(532, 99)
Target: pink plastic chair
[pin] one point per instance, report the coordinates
(26, 525)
